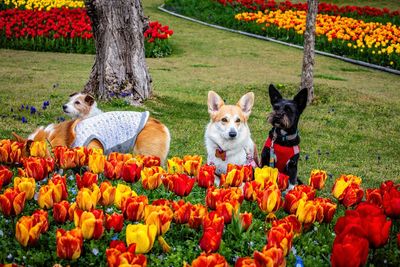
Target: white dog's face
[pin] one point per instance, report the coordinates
(79, 105)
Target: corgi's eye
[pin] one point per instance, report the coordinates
(237, 120)
(77, 102)
(224, 120)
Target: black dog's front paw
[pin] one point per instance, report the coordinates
(265, 157)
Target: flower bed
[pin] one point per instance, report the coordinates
(63, 27)
(366, 34)
(80, 207)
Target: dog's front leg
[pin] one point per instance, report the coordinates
(265, 153)
(291, 170)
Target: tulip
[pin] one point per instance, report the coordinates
(37, 168)
(213, 226)
(265, 175)
(206, 176)
(245, 262)
(307, 212)
(91, 223)
(27, 230)
(270, 257)
(112, 169)
(279, 237)
(151, 177)
(5, 176)
(197, 213)
(191, 165)
(306, 189)
(329, 208)
(182, 184)
(86, 180)
(133, 207)
(71, 210)
(60, 211)
(119, 156)
(27, 185)
(161, 202)
(147, 161)
(161, 216)
(123, 192)
(374, 196)
(342, 183)
(269, 200)
(107, 192)
(292, 199)
(282, 181)
(113, 252)
(12, 202)
(290, 224)
(352, 195)
(38, 149)
(250, 190)
(69, 243)
(215, 195)
(130, 171)
(96, 161)
(143, 235)
(175, 165)
(131, 259)
(45, 198)
(349, 250)
(226, 210)
(209, 260)
(59, 185)
(115, 221)
(64, 157)
(391, 202)
(181, 211)
(317, 179)
(246, 219)
(43, 217)
(233, 178)
(81, 156)
(15, 152)
(87, 198)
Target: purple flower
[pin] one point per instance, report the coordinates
(27, 107)
(24, 120)
(22, 107)
(46, 103)
(33, 110)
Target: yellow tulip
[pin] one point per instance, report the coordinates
(96, 161)
(307, 211)
(27, 185)
(27, 230)
(175, 165)
(122, 192)
(45, 198)
(107, 193)
(265, 175)
(87, 198)
(38, 149)
(160, 216)
(142, 235)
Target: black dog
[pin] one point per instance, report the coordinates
(281, 150)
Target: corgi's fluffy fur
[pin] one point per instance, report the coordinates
(153, 139)
(81, 106)
(227, 136)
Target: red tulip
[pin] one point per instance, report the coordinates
(349, 250)
(69, 243)
(250, 190)
(181, 211)
(130, 171)
(86, 180)
(133, 207)
(246, 219)
(374, 196)
(317, 179)
(391, 202)
(37, 168)
(115, 221)
(183, 184)
(245, 262)
(197, 214)
(210, 260)
(218, 195)
(5, 176)
(352, 195)
(43, 217)
(64, 157)
(60, 211)
(290, 223)
(227, 210)
(12, 202)
(213, 226)
(279, 237)
(206, 176)
(270, 257)
(329, 208)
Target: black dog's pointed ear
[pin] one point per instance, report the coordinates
(274, 94)
(301, 99)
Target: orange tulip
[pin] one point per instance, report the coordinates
(5, 176)
(307, 212)
(60, 211)
(290, 224)
(12, 202)
(209, 260)
(227, 210)
(246, 171)
(59, 185)
(86, 180)
(175, 165)
(10, 151)
(112, 169)
(246, 219)
(28, 230)
(342, 183)
(87, 198)
(181, 211)
(161, 216)
(133, 207)
(151, 177)
(197, 213)
(91, 223)
(206, 176)
(317, 179)
(352, 195)
(245, 262)
(69, 243)
(270, 257)
(27, 185)
(96, 161)
(37, 168)
(119, 156)
(269, 200)
(107, 192)
(279, 237)
(251, 189)
(329, 208)
(233, 178)
(122, 192)
(216, 195)
(64, 157)
(191, 164)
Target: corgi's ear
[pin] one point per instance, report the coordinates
(18, 138)
(89, 99)
(246, 103)
(215, 102)
(274, 94)
(301, 99)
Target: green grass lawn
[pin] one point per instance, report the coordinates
(390, 4)
(352, 127)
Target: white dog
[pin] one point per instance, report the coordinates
(227, 136)
(81, 106)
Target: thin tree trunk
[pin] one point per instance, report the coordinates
(120, 68)
(307, 76)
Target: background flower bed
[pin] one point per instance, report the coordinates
(59, 26)
(383, 50)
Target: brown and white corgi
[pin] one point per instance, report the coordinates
(81, 106)
(227, 136)
(117, 131)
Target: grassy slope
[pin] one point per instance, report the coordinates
(352, 123)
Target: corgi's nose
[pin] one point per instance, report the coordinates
(232, 134)
(65, 107)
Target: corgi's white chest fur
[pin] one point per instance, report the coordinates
(238, 151)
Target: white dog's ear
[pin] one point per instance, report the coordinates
(215, 102)
(246, 103)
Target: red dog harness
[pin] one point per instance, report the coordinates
(280, 155)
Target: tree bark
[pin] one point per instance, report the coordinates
(307, 76)
(120, 68)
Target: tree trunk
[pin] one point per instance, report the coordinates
(307, 76)
(120, 68)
